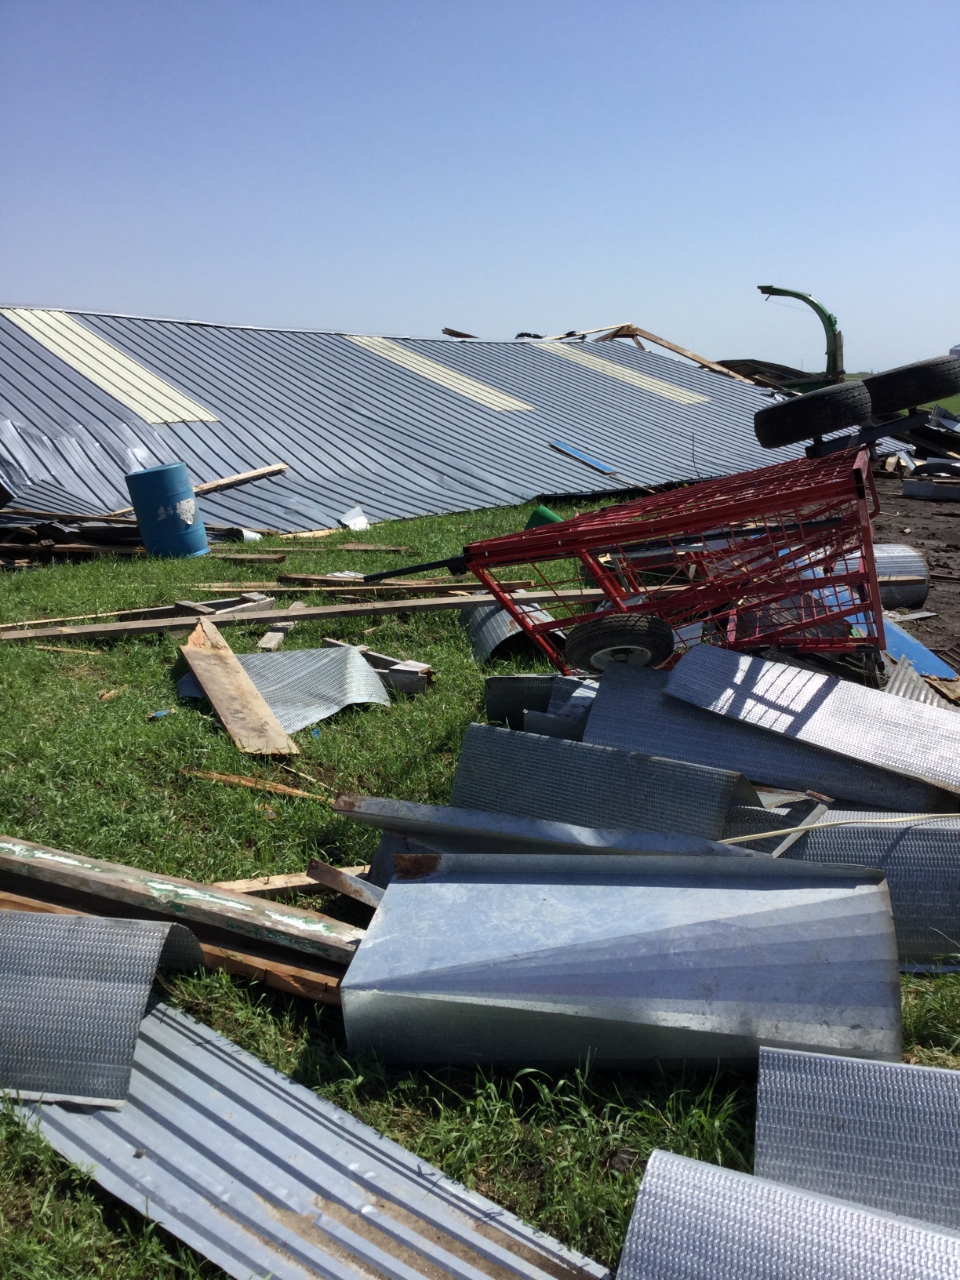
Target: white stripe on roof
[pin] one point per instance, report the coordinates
(656, 386)
(440, 373)
(128, 381)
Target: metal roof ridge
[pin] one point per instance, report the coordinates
(267, 328)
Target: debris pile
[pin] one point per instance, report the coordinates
(716, 832)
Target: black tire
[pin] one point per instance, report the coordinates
(914, 384)
(816, 414)
(638, 639)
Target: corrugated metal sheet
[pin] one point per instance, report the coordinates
(921, 861)
(906, 737)
(267, 1180)
(882, 1133)
(433, 426)
(696, 1221)
(632, 711)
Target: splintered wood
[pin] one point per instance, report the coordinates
(233, 695)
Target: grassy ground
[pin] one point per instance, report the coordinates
(563, 1151)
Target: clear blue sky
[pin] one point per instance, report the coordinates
(394, 166)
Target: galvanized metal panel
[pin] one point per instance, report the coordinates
(897, 560)
(358, 428)
(495, 633)
(545, 959)
(884, 1134)
(505, 698)
(72, 992)
(302, 686)
(836, 715)
(921, 861)
(695, 1221)
(267, 1180)
(479, 831)
(632, 711)
(535, 776)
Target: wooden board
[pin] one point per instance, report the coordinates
(368, 609)
(233, 695)
(183, 899)
(293, 882)
(273, 639)
(333, 878)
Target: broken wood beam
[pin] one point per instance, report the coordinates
(352, 886)
(273, 639)
(292, 882)
(186, 900)
(297, 980)
(631, 331)
(368, 609)
(227, 482)
(238, 702)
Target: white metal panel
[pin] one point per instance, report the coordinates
(127, 380)
(656, 386)
(440, 373)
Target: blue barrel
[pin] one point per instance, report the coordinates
(166, 510)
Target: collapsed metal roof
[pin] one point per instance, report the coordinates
(400, 426)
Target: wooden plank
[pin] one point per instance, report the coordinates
(301, 980)
(273, 639)
(293, 882)
(255, 784)
(227, 482)
(297, 980)
(17, 902)
(62, 648)
(368, 609)
(237, 701)
(183, 899)
(352, 886)
(310, 533)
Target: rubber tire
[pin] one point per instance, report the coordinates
(847, 404)
(627, 631)
(914, 384)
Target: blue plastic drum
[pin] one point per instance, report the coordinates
(166, 510)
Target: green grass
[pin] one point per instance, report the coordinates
(565, 1151)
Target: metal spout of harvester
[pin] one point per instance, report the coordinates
(834, 371)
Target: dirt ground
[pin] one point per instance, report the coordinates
(933, 528)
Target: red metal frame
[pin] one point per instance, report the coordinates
(779, 556)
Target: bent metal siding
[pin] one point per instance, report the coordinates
(402, 426)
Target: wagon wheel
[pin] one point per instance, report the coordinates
(914, 384)
(846, 404)
(640, 640)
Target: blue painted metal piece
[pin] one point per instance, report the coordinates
(583, 457)
(267, 1180)
(166, 511)
(357, 428)
(900, 644)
